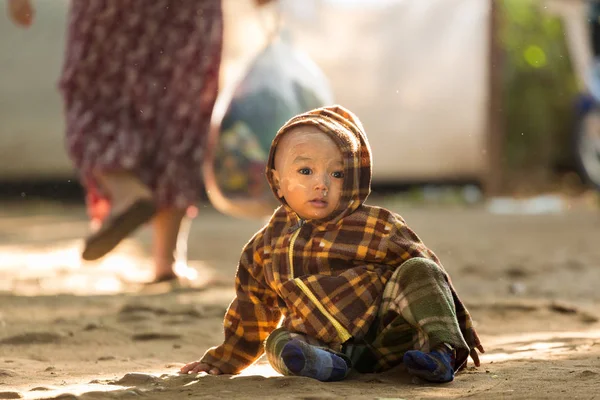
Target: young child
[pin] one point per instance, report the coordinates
(331, 283)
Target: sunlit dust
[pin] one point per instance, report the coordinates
(538, 345)
(102, 384)
(261, 369)
(541, 346)
(75, 390)
(33, 271)
(182, 270)
(28, 260)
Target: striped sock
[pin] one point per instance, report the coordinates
(305, 360)
(436, 366)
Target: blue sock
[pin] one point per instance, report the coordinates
(436, 366)
(305, 360)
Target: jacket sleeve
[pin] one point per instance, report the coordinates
(250, 318)
(405, 244)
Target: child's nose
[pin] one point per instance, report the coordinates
(321, 182)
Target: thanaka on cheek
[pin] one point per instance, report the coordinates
(308, 172)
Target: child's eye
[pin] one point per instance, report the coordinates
(305, 171)
(338, 174)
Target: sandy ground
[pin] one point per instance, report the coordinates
(73, 331)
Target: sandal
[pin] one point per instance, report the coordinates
(116, 228)
(166, 278)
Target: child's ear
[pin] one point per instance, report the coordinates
(276, 182)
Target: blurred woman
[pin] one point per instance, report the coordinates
(139, 83)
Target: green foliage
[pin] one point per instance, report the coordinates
(539, 87)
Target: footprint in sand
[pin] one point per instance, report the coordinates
(10, 395)
(91, 327)
(140, 312)
(33, 338)
(584, 315)
(183, 315)
(6, 373)
(155, 336)
(136, 316)
(175, 310)
(135, 308)
(41, 389)
(136, 379)
(106, 358)
(587, 374)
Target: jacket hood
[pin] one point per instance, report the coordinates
(348, 133)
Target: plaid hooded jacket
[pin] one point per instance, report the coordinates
(322, 278)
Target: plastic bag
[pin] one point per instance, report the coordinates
(280, 83)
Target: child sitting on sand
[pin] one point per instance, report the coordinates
(331, 284)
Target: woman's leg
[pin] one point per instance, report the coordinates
(170, 233)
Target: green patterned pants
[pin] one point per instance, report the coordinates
(417, 312)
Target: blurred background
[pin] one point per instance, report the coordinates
(489, 93)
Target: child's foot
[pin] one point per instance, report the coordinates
(305, 360)
(436, 366)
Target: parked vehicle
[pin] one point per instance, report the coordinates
(581, 19)
(587, 134)
(586, 137)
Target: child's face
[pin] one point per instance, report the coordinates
(308, 172)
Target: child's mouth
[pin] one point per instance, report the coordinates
(318, 203)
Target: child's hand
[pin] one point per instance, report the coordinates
(21, 12)
(475, 356)
(197, 367)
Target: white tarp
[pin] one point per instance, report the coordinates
(416, 73)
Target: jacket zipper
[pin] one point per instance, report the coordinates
(298, 227)
(342, 332)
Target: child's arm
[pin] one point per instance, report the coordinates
(21, 12)
(251, 317)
